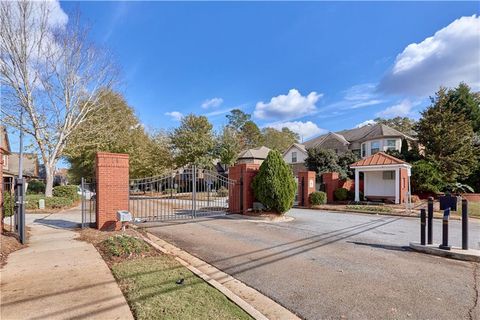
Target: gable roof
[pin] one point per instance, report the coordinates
(360, 134)
(256, 153)
(378, 159)
(299, 146)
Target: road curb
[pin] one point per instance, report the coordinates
(250, 300)
(455, 253)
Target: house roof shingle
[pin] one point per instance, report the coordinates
(378, 159)
(359, 134)
(257, 153)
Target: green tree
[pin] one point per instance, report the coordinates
(426, 177)
(463, 101)
(250, 135)
(229, 146)
(402, 124)
(237, 119)
(115, 128)
(274, 185)
(345, 160)
(279, 139)
(323, 160)
(193, 141)
(448, 138)
(404, 148)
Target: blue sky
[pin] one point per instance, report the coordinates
(311, 66)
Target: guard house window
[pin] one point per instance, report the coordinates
(294, 157)
(375, 147)
(364, 150)
(388, 175)
(391, 145)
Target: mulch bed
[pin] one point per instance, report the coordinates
(9, 243)
(96, 237)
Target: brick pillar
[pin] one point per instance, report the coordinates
(112, 188)
(241, 197)
(331, 180)
(403, 184)
(307, 179)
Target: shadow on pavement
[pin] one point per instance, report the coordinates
(58, 223)
(382, 246)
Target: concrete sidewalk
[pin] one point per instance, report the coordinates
(57, 277)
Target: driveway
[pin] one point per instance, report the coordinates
(334, 265)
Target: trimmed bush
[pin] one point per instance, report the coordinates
(35, 187)
(222, 192)
(274, 185)
(318, 197)
(69, 191)
(341, 194)
(57, 202)
(50, 203)
(7, 204)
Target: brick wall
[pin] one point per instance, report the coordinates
(332, 182)
(112, 188)
(472, 197)
(241, 196)
(307, 178)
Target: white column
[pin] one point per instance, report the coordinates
(397, 185)
(357, 185)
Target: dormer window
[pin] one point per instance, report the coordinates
(294, 157)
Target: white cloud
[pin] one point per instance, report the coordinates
(212, 103)
(175, 115)
(365, 123)
(447, 58)
(402, 109)
(364, 91)
(306, 129)
(290, 106)
(355, 97)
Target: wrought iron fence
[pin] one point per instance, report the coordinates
(88, 195)
(180, 194)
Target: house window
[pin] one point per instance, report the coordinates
(364, 150)
(294, 157)
(388, 175)
(375, 147)
(391, 145)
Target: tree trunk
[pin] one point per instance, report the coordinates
(49, 175)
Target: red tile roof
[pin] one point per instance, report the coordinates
(378, 159)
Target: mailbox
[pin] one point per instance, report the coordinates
(124, 216)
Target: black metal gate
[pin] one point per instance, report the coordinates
(186, 193)
(87, 191)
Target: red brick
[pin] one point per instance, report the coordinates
(308, 179)
(112, 188)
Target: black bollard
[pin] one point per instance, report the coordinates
(430, 221)
(446, 215)
(464, 224)
(422, 226)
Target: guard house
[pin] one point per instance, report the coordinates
(385, 178)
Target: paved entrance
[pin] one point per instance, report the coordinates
(57, 277)
(334, 265)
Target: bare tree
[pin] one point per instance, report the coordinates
(49, 73)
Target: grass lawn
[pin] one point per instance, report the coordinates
(474, 209)
(151, 289)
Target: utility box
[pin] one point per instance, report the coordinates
(41, 204)
(124, 216)
(448, 202)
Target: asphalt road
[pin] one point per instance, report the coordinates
(326, 265)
